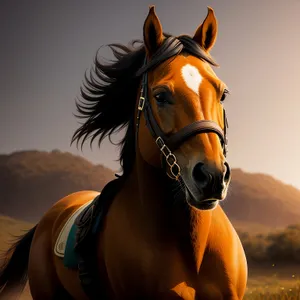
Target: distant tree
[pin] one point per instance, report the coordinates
(285, 245)
(255, 248)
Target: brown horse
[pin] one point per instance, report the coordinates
(164, 237)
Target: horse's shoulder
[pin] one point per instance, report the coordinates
(229, 249)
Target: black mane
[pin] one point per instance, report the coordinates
(109, 94)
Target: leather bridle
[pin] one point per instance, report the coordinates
(167, 144)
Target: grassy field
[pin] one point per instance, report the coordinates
(265, 282)
(273, 282)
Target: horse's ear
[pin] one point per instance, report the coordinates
(206, 34)
(153, 33)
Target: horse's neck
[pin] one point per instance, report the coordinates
(182, 225)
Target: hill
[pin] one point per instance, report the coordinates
(259, 199)
(31, 181)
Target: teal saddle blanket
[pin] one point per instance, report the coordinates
(79, 232)
(71, 257)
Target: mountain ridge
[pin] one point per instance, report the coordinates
(32, 181)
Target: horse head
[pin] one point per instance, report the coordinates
(180, 116)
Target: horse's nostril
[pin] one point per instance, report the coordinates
(227, 172)
(200, 175)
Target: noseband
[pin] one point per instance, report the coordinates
(167, 144)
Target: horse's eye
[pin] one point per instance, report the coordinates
(225, 93)
(161, 98)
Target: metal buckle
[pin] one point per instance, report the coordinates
(170, 158)
(225, 149)
(225, 145)
(141, 103)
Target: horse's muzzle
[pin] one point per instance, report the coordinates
(211, 182)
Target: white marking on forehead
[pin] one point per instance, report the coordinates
(191, 77)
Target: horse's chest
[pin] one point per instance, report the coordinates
(147, 266)
(164, 274)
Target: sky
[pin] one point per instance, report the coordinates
(46, 47)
